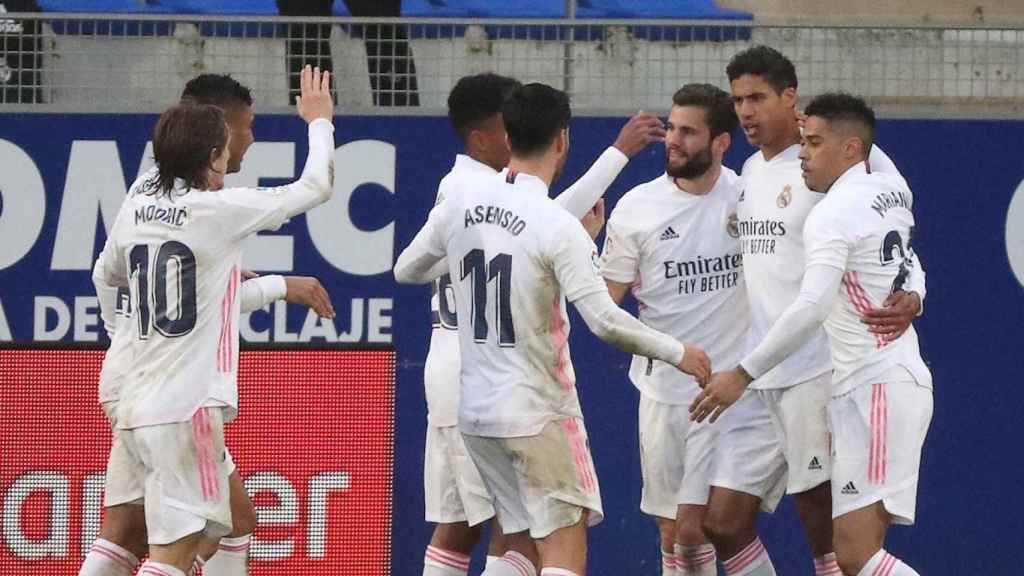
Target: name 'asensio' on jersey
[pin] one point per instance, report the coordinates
(502, 217)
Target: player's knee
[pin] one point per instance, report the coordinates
(457, 537)
(691, 532)
(851, 555)
(243, 521)
(126, 527)
(720, 526)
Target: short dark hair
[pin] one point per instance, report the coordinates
(766, 62)
(719, 112)
(474, 99)
(183, 140)
(534, 115)
(840, 107)
(217, 90)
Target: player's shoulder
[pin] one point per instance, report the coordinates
(637, 198)
(752, 163)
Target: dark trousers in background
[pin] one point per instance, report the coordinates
(389, 58)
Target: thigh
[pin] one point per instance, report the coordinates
(497, 468)
(663, 431)
(801, 412)
(879, 431)
(748, 452)
(186, 483)
(556, 477)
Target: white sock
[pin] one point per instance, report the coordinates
(885, 564)
(696, 560)
(668, 564)
(441, 562)
(827, 566)
(230, 559)
(753, 560)
(151, 568)
(511, 564)
(108, 559)
(557, 572)
(197, 566)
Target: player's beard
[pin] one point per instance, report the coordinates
(696, 165)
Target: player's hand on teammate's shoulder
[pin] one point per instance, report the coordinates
(314, 99)
(308, 291)
(895, 316)
(696, 363)
(723, 391)
(248, 275)
(641, 130)
(594, 219)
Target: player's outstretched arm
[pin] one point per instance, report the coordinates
(423, 260)
(258, 291)
(620, 329)
(795, 327)
(638, 132)
(901, 307)
(315, 106)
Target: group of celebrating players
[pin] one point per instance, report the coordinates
(774, 330)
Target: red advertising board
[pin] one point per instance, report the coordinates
(313, 441)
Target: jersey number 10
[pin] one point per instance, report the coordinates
(480, 273)
(183, 273)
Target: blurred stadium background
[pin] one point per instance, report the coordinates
(339, 487)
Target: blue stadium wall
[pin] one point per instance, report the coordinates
(964, 174)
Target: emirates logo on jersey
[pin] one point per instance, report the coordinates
(732, 225)
(785, 197)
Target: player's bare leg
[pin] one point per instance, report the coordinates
(731, 525)
(815, 510)
(174, 558)
(497, 546)
(565, 549)
(520, 556)
(449, 549)
(667, 538)
(859, 541)
(695, 555)
(120, 544)
(229, 556)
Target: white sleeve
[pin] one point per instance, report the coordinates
(423, 260)
(916, 278)
(618, 328)
(620, 259)
(575, 262)
(798, 323)
(258, 292)
(249, 210)
(106, 295)
(582, 195)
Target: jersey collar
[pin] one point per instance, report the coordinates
(524, 181)
(856, 169)
(470, 164)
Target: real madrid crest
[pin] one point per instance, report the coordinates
(732, 225)
(785, 197)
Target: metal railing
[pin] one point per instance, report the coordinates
(91, 63)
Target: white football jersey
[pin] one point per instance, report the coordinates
(681, 253)
(514, 256)
(771, 212)
(864, 226)
(180, 256)
(441, 372)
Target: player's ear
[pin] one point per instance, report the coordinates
(720, 144)
(476, 141)
(788, 96)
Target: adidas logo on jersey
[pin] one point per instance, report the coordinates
(668, 234)
(815, 464)
(850, 488)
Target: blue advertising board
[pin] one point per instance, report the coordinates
(62, 178)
